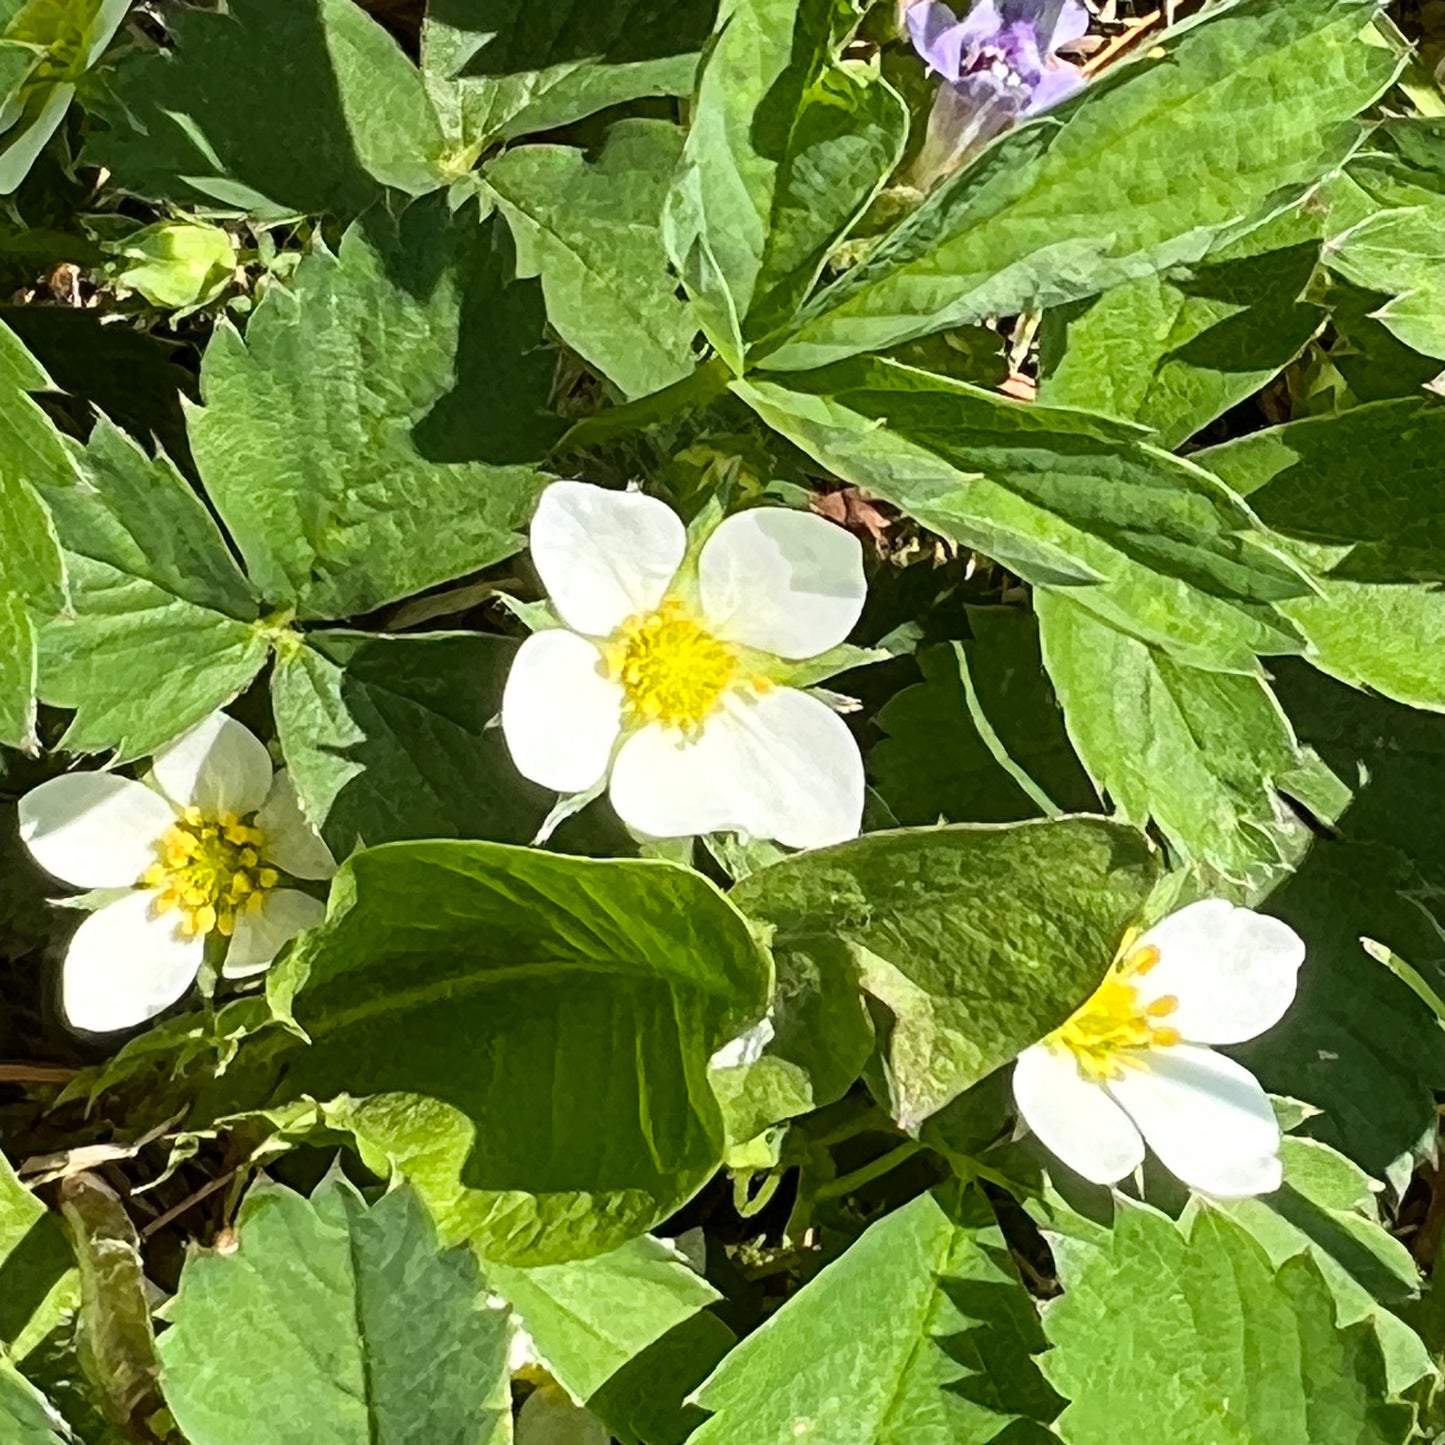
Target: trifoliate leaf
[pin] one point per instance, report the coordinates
(1192, 1335)
(273, 107)
(591, 229)
(1147, 541)
(921, 1334)
(1091, 197)
(978, 940)
(523, 1036)
(162, 628)
(1208, 756)
(371, 435)
(331, 1322)
(786, 149)
(389, 738)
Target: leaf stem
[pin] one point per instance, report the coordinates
(884, 1164)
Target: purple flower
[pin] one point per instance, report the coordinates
(998, 67)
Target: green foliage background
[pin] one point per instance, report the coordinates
(1137, 415)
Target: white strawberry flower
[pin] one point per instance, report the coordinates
(1134, 1065)
(668, 678)
(201, 848)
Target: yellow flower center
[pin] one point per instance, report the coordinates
(671, 670)
(1109, 1032)
(210, 869)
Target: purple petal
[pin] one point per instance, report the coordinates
(1057, 83)
(1053, 22)
(937, 37)
(1071, 24)
(1019, 42)
(983, 23)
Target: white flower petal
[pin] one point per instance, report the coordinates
(1233, 971)
(560, 715)
(604, 556)
(263, 932)
(95, 830)
(126, 964)
(220, 766)
(785, 582)
(1074, 1118)
(747, 1048)
(781, 766)
(1207, 1119)
(292, 844)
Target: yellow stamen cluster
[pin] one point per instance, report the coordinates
(672, 671)
(1107, 1034)
(210, 869)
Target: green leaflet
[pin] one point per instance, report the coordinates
(1357, 1043)
(1359, 479)
(978, 940)
(1354, 490)
(276, 107)
(18, 668)
(1205, 755)
(390, 738)
(548, 1417)
(1148, 542)
(129, 376)
(26, 1417)
(592, 231)
(38, 1283)
(786, 149)
(1176, 350)
(823, 1035)
(161, 630)
(617, 1330)
(1091, 196)
(1329, 1209)
(503, 68)
(933, 759)
(534, 1057)
(33, 447)
(1394, 247)
(344, 496)
(333, 1323)
(1192, 1335)
(919, 1335)
(32, 579)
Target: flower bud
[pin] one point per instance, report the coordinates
(177, 264)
